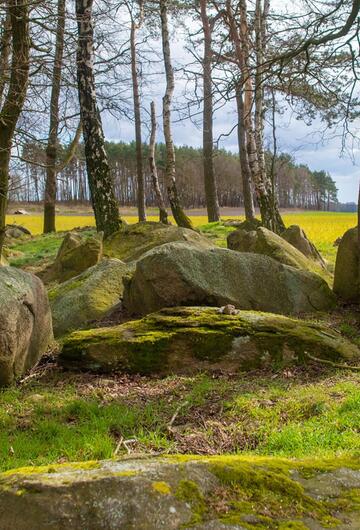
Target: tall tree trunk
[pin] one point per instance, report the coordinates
(5, 47)
(153, 169)
(244, 162)
(179, 215)
(52, 145)
(100, 182)
(273, 216)
(212, 202)
(270, 214)
(15, 97)
(137, 116)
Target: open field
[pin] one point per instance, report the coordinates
(323, 228)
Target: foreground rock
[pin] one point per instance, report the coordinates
(75, 255)
(266, 242)
(25, 323)
(215, 493)
(179, 274)
(87, 297)
(186, 340)
(3, 261)
(347, 267)
(132, 241)
(296, 236)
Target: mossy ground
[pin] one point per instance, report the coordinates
(62, 417)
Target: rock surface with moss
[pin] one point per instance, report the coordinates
(180, 274)
(75, 304)
(266, 242)
(25, 323)
(76, 254)
(132, 241)
(188, 340)
(205, 493)
(347, 267)
(296, 236)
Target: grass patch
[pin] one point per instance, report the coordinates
(65, 417)
(38, 250)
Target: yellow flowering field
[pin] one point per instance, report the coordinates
(321, 227)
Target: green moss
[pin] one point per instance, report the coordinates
(91, 464)
(273, 492)
(158, 343)
(189, 492)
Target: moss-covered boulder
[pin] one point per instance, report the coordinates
(25, 323)
(180, 274)
(186, 340)
(296, 236)
(87, 297)
(206, 493)
(347, 267)
(76, 254)
(132, 241)
(266, 242)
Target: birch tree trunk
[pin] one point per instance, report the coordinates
(52, 145)
(244, 161)
(153, 169)
(261, 14)
(137, 116)
(180, 217)
(14, 100)
(212, 202)
(100, 182)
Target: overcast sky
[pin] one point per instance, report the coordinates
(304, 143)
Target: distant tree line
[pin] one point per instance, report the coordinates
(297, 185)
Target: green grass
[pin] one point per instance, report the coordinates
(63, 417)
(38, 250)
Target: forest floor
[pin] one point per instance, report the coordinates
(58, 416)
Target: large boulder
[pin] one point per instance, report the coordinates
(25, 323)
(347, 267)
(76, 254)
(266, 242)
(87, 297)
(179, 492)
(180, 274)
(132, 241)
(186, 340)
(296, 236)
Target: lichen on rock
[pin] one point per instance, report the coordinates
(186, 340)
(183, 492)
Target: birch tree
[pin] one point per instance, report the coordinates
(170, 172)
(153, 169)
(100, 182)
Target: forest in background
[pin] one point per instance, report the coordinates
(297, 185)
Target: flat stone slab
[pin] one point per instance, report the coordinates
(206, 493)
(185, 340)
